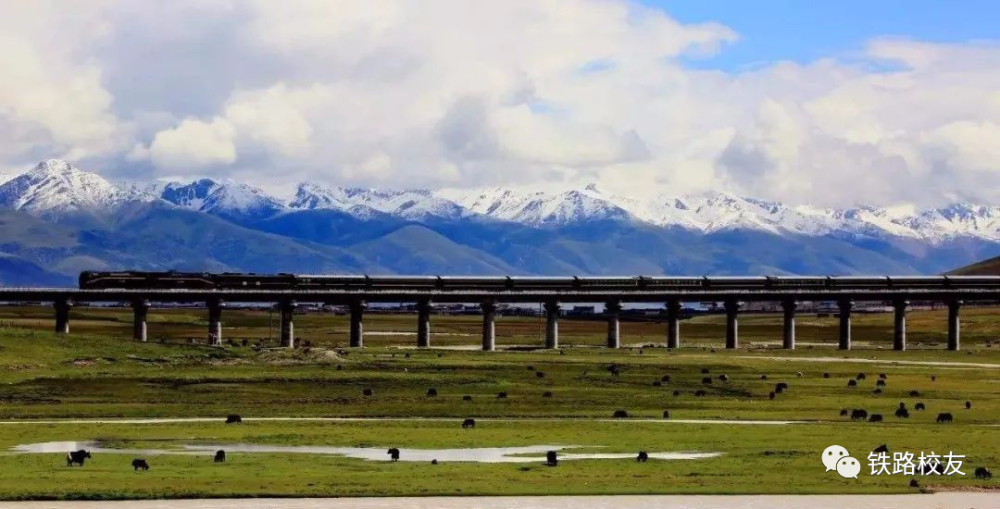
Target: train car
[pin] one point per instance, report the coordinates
(858, 282)
(133, 280)
(476, 283)
(251, 281)
(669, 282)
(735, 282)
(965, 281)
(606, 283)
(798, 282)
(331, 282)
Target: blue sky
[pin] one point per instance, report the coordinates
(805, 30)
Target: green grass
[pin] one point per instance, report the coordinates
(97, 372)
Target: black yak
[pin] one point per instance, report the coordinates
(700, 393)
(77, 457)
(724, 377)
(551, 459)
(780, 386)
(368, 392)
(919, 406)
(620, 414)
(539, 374)
(677, 393)
(852, 383)
(140, 464)
(882, 448)
(393, 454)
(983, 473)
(902, 413)
(771, 395)
(882, 376)
(945, 417)
(665, 378)
(468, 423)
(861, 376)
(826, 375)
(234, 419)
(704, 371)
(859, 414)
(707, 380)
(844, 412)
(666, 414)
(914, 394)
(657, 383)
(466, 398)
(880, 383)
(547, 394)
(642, 457)
(875, 418)
(501, 395)
(968, 405)
(763, 377)
(432, 392)
(877, 391)
(220, 456)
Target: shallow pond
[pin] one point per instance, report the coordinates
(526, 454)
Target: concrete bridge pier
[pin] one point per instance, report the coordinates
(899, 332)
(613, 311)
(287, 310)
(674, 323)
(215, 321)
(953, 324)
(424, 308)
(357, 335)
(845, 323)
(62, 307)
(788, 338)
(489, 328)
(551, 325)
(140, 308)
(732, 335)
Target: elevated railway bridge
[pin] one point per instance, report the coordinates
(146, 289)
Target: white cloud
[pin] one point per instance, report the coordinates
(194, 145)
(457, 93)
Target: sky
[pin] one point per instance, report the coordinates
(833, 104)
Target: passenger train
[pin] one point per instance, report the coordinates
(237, 281)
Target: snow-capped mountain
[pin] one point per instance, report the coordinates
(83, 221)
(225, 198)
(57, 187)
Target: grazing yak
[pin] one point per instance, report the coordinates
(234, 419)
(466, 398)
(547, 394)
(704, 371)
(968, 405)
(852, 383)
(531, 368)
(875, 418)
(220, 456)
(826, 375)
(724, 377)
(983, 473)
(140, 464)
(434, 462)
(933, 378)
(861, 376)
(771, 395)
(666, 414)
(945, 417)
(657, 383)
(665, 379)
(919, 406)
(859, 414)
(432, 392)
(926, 469)
(880, 383)
(882, 376)
(551, 459)
(77, 457)
(501, 395)
(844, 412)
(613, 369)
(914, 394)
(707, 380)
(677, 393)
(393, 454)
(798, 374)
(877, 391)
(468, 423)
(882, 448)
(902, 413)
(642, 457)
(700, 393)
(914, 483)
(368, 392)
(620, 414)
(763, 377)
(780, 387)
(539, 374)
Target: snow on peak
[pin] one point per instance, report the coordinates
(55, 186)
(226, 197)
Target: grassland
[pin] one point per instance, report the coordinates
(97, 372)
